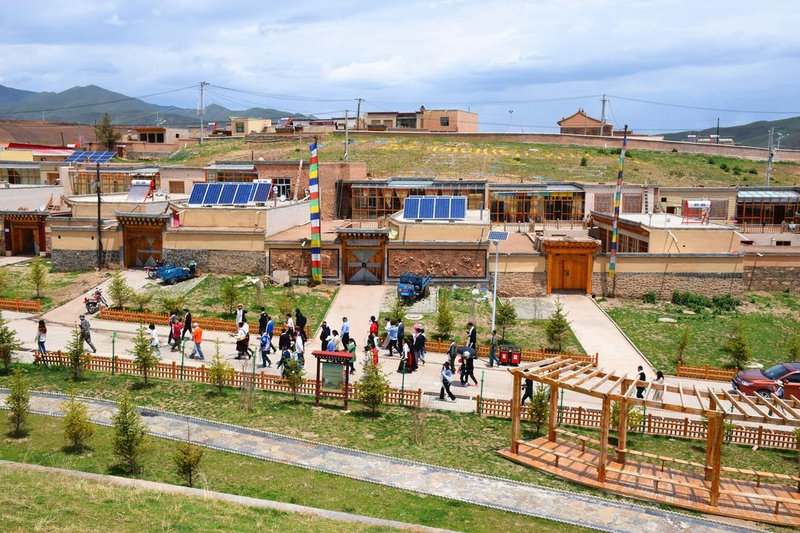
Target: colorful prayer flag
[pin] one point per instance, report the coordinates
(316, 241)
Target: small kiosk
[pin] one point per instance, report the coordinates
(333, 375)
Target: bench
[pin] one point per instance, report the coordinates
(759, 475)
(582, 438)
(663, 459)
(766, 497)
(560, 455)
(655, 479)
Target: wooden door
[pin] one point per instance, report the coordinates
(142, 247)
(569, 273)
(364, 266)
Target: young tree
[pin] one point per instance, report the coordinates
(78, 427)
(683, 343)
(105, 132)
(119, 290)
(557, 327)
(18, 402)
(285, 305)
(540, 406)
(144, 359)
(294, 376)
(793, 346)
(170, 302)
(505, 315)
(398, 311)
(141, 299)
(128, 436)
(229, 294)
(37, 275)
(77, 357)
(373, 387)
(9, 343)
(444, 314)
(737, 347)
(258, 295)
(187, 459)
(219, 372)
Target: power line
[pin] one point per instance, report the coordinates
(702, 108)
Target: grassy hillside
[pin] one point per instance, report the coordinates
(753, 134)
(503, 161)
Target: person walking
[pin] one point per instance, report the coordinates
(392, 336)
(299, 348)
(154, 339)
(373, 327)
(173, 317)
(351, 347)
(447, 377)
(187, 324)
(263, 318)
(371, 347)
(86, 334)
(493, 349)
(175, 334)
(241, 339)
(401, 335)
(289, 322)
(470, 368)
(264, 345)
(246, 326)
(528, 386)
(300, 322)
(345, 331)
(285, 340)
(197, 336)
(41, 337)
(451, 353)
(324, 335)
(472, 335)
(240, 312)
(642, 378)
(270, 331)
(419, 344)
(658, 393)
(335, 342)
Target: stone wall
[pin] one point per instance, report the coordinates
(521, 284)
(771, 278)
(454, 264)
(220, 261)
(72, 260)
(635, 285)
(298, 262)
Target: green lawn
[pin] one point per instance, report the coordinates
(61, 503)
(529, 334)
(768, 321)
(231, 473)
(60, 287)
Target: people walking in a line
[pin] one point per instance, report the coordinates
(264, 344)
(373, 326)
(658, 393)
(462, 371)
(154, 339)
(324, 335)
(345, 331)
(285, 340)
(242, 339)
(335, 342)
(41, 337)
(406, 364)
(419, 344)
(197, 336)
(289, 322)
(493, 348)
(528, 386)
(263, 318)
(447, 377)
(86, 334)
(401, 336)
(187, 323)
(640, 388)
(299, 348)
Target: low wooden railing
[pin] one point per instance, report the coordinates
(28, 306)
(198, 374)
(527, 356)
(653, 425)
(705, 372)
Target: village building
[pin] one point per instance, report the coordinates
(436, 120)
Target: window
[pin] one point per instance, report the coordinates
(21, 176)
(230, 175)
(719, 209)
(110, 182)
(282, 187)
(240, 127)
(783, 243)
(604, 202)
(631, 203)
(444, 121)
(176, 187)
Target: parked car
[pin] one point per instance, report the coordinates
(765, 382)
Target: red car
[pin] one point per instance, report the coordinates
(764, 382)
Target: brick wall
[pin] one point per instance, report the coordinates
(220, 261)
(456, 264)
(771, 278)
(635, 285)
(298, 262)
(521, 284)
(78, 260)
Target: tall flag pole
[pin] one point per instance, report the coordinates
(316, 241)
(612, 267)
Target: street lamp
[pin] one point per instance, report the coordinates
(495, 237)
(510, 119)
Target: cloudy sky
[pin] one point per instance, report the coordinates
(540, 59)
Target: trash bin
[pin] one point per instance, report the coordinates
(502, 355)
(506, 354)
(514, 355)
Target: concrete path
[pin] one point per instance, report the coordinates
(7, 260)
(357, 303)
(179, 490)
(561, 506)
(597, 333)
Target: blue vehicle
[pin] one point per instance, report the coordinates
(173, 274)
(412, 287)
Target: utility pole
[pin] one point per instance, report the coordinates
(770, 154)
(717, 130)
(358, 111)
(99, 220)
(201, 109)
(603, 116)
(510, 119)
(346, 136)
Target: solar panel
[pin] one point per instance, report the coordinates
(411, 208)
(498, 235)
(427, 206)
(243, 194)
(198, 193)
(458, 207)
(94, 156)
(228, 192)
(442, 209)
(260, 191)
(213, 194)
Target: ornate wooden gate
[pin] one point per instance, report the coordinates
(364, 252)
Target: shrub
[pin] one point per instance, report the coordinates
(293, 374)
(144, 359)
(674, 150)
(752, 171)
(128, 436)
(683, 343)
(793, 346)
(737, 348)
(712, 161)
(229, 294)
(219, 372)
(4, 284)
(77, 358)
(78, 427)
(540, 407)
(650, 297)
(373, 387)
(37, 275)
(634, 420)
(119, 291)
(726, 302)
(18, 402)
(557, 328)
(9, 343)
(444, 314)
(397, 312)
(737, 170)
(187, 459)
(691, 300)
(584, 161)
(170, 302)
(285, 305)
(505, 315)
(724, 167)
(141, 299)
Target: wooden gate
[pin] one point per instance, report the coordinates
(569, 264)
(364, 265)
(569, 273)
(143, 246)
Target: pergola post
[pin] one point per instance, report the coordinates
(715, 443)
(552, 420)
(622, 424)
(605, 422)
(515, 412)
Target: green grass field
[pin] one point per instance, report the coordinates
(231, 473)
(387, 156)
(768, 321)
(60, 288)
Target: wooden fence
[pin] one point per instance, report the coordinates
(407, 397)
(28, 306)
(527, 356)
(212, 324)
(654, 425)
(705, 372)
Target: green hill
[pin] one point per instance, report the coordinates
(753, 134)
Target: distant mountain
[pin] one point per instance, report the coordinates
(87, 104)
(753, 134)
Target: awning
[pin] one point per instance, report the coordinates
(241, 167)
(772, 197)
(19, 165)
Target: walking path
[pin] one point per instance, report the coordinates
(357, 303)
(141, 484)
(561, 506)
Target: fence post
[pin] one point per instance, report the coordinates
(478, 404)
(580, 415)
(685, 426)
(760, 435)
(203, 373)
(706, 373)
(678, 371)
(481, 393)
(174, 370)
(113, 353)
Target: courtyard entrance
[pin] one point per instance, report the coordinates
(569, 264)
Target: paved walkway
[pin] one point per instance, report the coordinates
(141, 484)
(561, 506)
(357, 303)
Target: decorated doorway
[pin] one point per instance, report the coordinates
(143, 240)
(364, 251)
(569, 264)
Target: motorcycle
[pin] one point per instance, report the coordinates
(152, 271)
(94, 302)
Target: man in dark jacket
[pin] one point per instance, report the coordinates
(324, 334)
(401, 336)
(263, 318)
(285, 340)
(473, 336)
(187, 324)
(300, 321)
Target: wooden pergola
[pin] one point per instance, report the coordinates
(717, 406)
